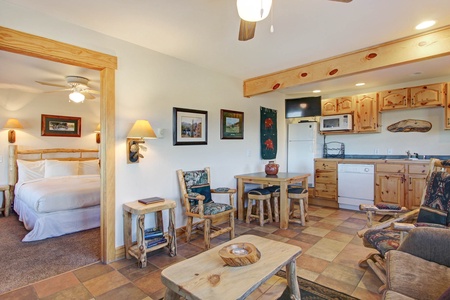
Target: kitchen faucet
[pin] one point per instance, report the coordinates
(408, 153)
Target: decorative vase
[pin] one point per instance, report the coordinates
(271, 168)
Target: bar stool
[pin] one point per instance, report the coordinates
(300, 194)
(261, 196)
(275, 191)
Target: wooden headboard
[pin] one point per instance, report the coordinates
(40, 154)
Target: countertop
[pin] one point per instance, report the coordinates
(356, 158)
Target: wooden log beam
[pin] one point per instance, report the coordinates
(430, 44)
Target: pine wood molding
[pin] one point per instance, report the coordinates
(430, 44)
(36, 46)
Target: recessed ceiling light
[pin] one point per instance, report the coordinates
(360, 84)
(316, 91)
(425, 24)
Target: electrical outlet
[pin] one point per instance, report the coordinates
(376, 151)
(389, 151)
(1, 158)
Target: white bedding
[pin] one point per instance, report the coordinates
(60, 193)
(55, 206)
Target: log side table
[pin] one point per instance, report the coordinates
(6, 199)
(140, 249)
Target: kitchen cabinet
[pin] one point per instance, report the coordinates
(367, 114)
(337, 106)
(390, 184)
(325, 179)
(393, 99)
(416, 179)
(402, 184)
(428, 95)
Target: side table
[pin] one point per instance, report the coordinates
(140, 250)
(6, 199)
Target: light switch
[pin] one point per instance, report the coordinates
(1, 158)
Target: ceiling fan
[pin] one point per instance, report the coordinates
(78, 87)
(253, 11)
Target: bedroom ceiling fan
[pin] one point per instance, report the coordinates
(77, 86)
(252, 11)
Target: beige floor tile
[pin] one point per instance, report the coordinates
(92, 271)
(128, 291)
(333, 221)
(335, 284)
(365, 294)
(305, 246)
(324, 212)
(78, 292)
(370, 282)
(326, 249)
(349, 275)
(289, 233)
(317, 231)
(339, 236)
(55, 284)
(310, 275)
(105, 283)
(27, 292)
(277, 238)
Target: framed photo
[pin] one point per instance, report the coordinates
(190, 127)
(231, 124)
(60, 126)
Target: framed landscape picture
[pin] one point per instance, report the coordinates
(60, 126)
(231, 124)
(190, 127)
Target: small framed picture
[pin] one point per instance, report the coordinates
(190, 127)
(231, 124)
(60, 126)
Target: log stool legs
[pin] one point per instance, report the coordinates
(300, 194)
(261, 196)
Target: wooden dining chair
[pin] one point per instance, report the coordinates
(196, 198)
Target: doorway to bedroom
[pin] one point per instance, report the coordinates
(106, 106)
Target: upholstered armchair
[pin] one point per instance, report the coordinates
(196, 197)
(420, 267)
(433, 213)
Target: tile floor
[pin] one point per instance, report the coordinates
(331, 251)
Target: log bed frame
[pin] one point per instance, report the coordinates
(40, 154)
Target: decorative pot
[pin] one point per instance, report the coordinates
(271, 168)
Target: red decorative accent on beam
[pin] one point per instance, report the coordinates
(304, 74)
(332, 72)
(276, 86)
(371, 55)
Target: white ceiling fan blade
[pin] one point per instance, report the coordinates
(88, 95)
(91, 91)
(51, 84)
(56, 91)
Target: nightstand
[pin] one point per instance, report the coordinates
(6, 200)
(140, 249)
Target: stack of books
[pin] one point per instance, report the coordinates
(153, 237)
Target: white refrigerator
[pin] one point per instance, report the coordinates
(304, 144)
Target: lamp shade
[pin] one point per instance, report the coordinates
(253, 10)
(13, 124)
(142, 130)
(97, 129)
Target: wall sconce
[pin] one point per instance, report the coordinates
(141, 130)
(12, 124)
(97, 134)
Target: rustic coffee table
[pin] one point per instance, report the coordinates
(206, 276)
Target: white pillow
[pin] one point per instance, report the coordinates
(56, 168)
(30, 170)
(89, 167)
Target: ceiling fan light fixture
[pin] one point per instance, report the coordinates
(76, 97)
(253, 10)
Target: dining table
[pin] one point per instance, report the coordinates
(282, 179)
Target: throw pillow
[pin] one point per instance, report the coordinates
(432, 215)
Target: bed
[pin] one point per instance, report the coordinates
(55, 191)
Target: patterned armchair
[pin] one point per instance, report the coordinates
(196, 197)
(434, 212)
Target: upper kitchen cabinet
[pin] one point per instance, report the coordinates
(367, 115)
(337, 106)
(394, 99)
(428, 95)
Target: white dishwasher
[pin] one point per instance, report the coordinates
(356, 185)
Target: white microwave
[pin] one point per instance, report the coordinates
(336, 122)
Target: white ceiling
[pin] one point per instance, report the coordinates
(204, 32)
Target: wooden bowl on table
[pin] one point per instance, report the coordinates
(240, 254)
